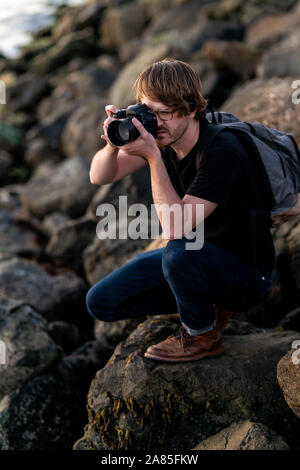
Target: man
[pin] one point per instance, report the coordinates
(206, 285)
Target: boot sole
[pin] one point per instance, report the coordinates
(197, 358)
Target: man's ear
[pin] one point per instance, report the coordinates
(193, 113)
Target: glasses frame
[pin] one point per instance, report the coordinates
(159, 115)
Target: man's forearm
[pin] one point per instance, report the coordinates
(104, 165)
(164, 196)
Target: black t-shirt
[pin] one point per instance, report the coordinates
(223, 177)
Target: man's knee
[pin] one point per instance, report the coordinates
(95, 304)
(176, 257)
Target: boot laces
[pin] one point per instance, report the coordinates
(183, 335)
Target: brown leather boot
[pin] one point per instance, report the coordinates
(223, 316)
(180, 346)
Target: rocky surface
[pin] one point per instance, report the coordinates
(30, 351)
(66, 188)
(288, 375)
(48, 412)
(246, 54)
(244, 436)
(136, 403)
(54, 296)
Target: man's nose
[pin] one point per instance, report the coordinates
(159, 121)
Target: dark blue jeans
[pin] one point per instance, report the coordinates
(173, 279)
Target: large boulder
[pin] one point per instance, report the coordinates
(288, 375)
(76, 18)
(65, 187)
(49, 130)
(92, 79)
(81, 134)
(291, 320)
(16, 239)
(58, 296)
(188, 26)
(68, 242)
(282, 60)
(121, 93)
(109, 334)
(122, 23)
(30, 351)
(139, 404)
(27, 91)
(268, 102)
(244, 436)
(267, 30)
(235, 56)
(102, 257)
(48, 412)
(77, 44)
(6, 163)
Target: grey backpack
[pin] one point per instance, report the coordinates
(276, 157)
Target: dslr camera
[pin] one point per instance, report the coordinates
(122, 131)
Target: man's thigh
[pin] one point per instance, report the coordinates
(136, 288)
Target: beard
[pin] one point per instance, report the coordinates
(171, 136)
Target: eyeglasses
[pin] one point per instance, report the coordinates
(164, 115)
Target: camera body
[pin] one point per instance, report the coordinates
(122, 131)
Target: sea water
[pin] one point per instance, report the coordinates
(20, 17)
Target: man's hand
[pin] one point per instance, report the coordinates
(145, 145)
(110, 111)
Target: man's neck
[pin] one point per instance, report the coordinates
(183, 146)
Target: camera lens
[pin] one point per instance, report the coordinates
(122, 131)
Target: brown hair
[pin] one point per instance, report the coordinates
(174, 83)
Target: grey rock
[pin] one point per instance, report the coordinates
(53, 296)
(77, 44)
(50, 129)
(282, 60)
(244, 435)
(26, 92)
(121, 93)
(10, 197)
(6, 162)
(29, 349)
(291, 320)
(81, 134)
(91, 79)
(188, 26)
(66, 335)
(240, 327)
(121, 24)
(135, 403)
(232, 55)
(268, 29)
(65, 187)
(75, 18)
(268, 102)
(39, 149)
(16, 239)
(104, 256)
(69, 240)
(109, 334)
(53, 221)
(288, 375)
(48, 412)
